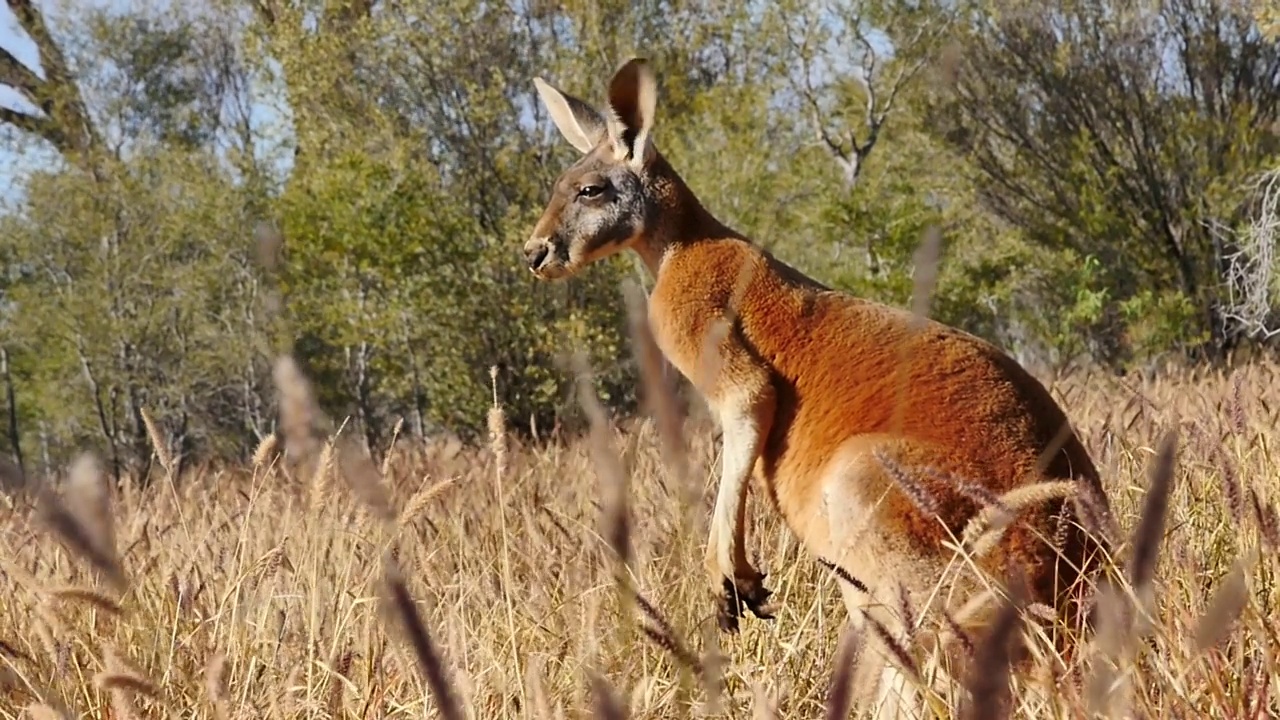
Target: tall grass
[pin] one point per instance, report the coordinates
(505, 581)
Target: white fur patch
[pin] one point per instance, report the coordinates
(741, 442)
(847, 513)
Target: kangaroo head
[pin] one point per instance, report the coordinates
(603, 203)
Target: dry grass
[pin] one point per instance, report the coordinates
(506, 581)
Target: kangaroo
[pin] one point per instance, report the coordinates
(874, 432)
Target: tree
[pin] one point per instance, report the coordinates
(139, 295)
(442, 93)
(401, 149)
(1121, 132)
(129, 281)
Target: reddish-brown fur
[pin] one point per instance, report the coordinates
(824, 378)
(844, 367)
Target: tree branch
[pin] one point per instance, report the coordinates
(879, 94)
(266, 10)
(33, 124)
(18, 76)
(345, 13)
(68, 127)
(51, 57)
(809, 95)
(867, 79)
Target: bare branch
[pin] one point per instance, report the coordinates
(904, 76)
(68, 127)
(810, 96)
(908, 72)
(851, 145)
(870, 61)
(1252, 263)
(266, 10)
(29, 123)
(51, 57)
(18, 76)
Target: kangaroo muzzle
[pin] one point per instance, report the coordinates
(536, 252)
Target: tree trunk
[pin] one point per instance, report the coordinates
(15, 436)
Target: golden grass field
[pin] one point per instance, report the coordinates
(259, 592)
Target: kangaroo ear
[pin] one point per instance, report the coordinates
(582, 125)
(633, 98)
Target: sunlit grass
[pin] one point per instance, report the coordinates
(488, 575)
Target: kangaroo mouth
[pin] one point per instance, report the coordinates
(551, 272)
(552, 265)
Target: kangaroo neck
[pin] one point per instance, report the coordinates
(678, 219)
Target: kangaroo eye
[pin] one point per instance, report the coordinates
(590, 191)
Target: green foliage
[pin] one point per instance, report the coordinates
(883, 223)
(406, 158)
(138, 293)
(1089, 135)
(1162, 323)
(158, 94)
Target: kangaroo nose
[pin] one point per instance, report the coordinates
(536, 254)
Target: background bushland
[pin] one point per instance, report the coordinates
(1104, 175)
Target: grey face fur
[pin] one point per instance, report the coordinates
(600, 205)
